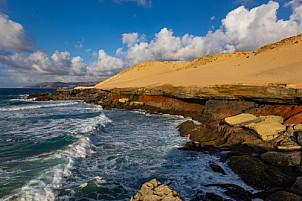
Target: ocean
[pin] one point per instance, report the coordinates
(70, 150)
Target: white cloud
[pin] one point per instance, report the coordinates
(130, 38)
(250, 29)
(79, 44)
(60, 63)
(13, 37)
(144, 3)
(105, 64)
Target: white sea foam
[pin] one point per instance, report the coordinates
(17, 108)
(46, 186)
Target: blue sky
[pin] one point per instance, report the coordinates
(92, 40)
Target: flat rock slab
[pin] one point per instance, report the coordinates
(240, 119)
(267, 130)
(282, 158)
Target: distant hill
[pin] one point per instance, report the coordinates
(65, 85)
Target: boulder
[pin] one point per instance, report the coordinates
(217, 168)
(240, 119)
(282, 158)
(267, 130)
(186, 128)
(258, 174)
(155, 191)
(283, 196)
(206, 136)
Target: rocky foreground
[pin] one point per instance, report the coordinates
(263, 131)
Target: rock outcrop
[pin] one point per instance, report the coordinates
(258, 174)
(155, 191)
(282, 158)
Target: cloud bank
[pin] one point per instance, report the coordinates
(241, 30)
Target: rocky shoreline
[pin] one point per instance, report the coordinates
(259, 126)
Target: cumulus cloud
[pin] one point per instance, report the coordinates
(106, 64)
(13, 37)
(60, 63)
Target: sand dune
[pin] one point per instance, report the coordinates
(275, 63)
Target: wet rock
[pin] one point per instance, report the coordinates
(240, 119)
(282, 159)
(155, 191)
(209, 197)
(216, 168)
(186, 128)
(283, 196)
(297, 187)
(198, 133)
(267, 130)
(195, 146)
(257, 174)
(206, 136)
(234, 191)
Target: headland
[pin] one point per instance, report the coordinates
(248, 103)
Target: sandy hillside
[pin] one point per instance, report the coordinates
(275, 63)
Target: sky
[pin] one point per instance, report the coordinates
(77, 40)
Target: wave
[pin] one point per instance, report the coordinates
(51, 180)
(36, 106)
(45, 187)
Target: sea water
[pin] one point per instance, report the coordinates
(70, 150)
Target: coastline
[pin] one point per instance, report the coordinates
(247, 149)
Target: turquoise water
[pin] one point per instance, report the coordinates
(70, 150)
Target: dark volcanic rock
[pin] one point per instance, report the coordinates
(217, 168)
(283, 196)
(209, 197)
(282, 158)
(257, 174)
(234, 191)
